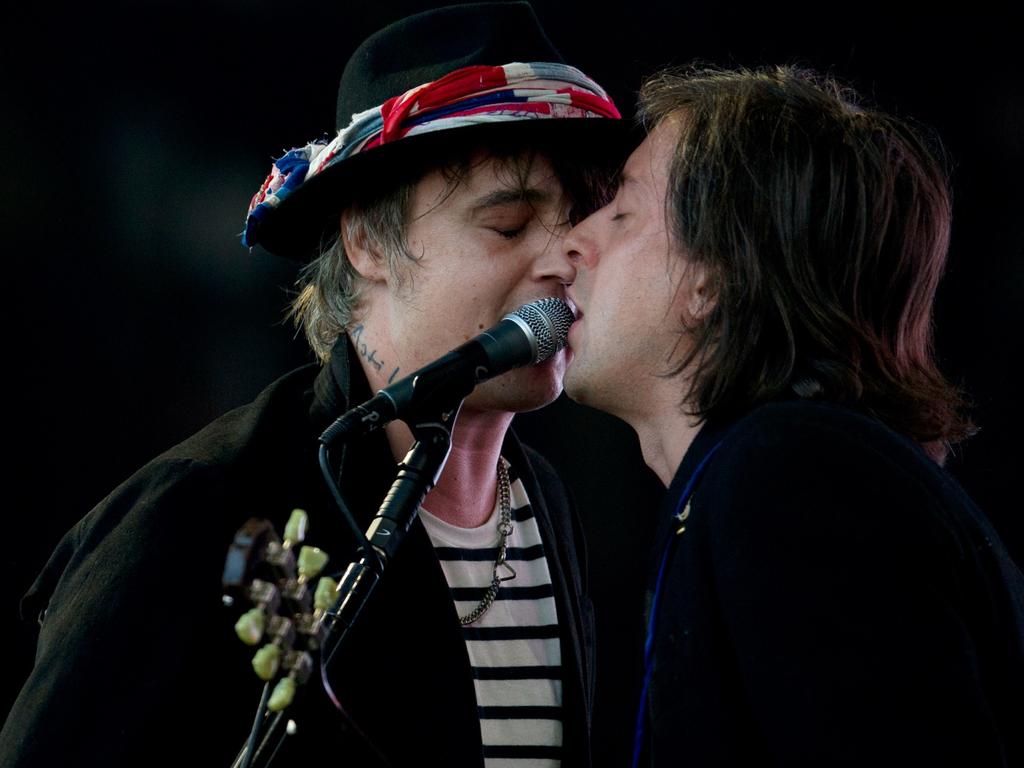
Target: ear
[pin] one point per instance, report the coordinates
(360, 249)
(699, 298)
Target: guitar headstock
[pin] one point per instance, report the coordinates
(273, 579)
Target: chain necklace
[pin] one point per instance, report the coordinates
(505, 530)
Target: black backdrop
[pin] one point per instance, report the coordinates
(135, 134)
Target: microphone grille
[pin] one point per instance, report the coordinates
(549, 319)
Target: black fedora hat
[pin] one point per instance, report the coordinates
(481, 67)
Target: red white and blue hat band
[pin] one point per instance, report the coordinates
(470, 96)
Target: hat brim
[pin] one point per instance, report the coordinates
(307, 221)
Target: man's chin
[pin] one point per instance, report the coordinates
(522, 389)
(575, 384)
(547, 378)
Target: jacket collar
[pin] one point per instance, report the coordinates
(333, 387)
(711, 434)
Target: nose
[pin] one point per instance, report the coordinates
(554, 262)
(579, 246)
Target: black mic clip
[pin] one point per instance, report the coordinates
(437, 389)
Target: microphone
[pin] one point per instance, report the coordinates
(531, 334)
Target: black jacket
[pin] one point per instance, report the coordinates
(834, 600)
(137, 663)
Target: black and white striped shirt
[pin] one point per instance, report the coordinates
(514, 647)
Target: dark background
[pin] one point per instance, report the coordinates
(135, 134)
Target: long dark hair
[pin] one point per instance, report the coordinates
(824, 227)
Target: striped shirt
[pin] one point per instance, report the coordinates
(514, 648)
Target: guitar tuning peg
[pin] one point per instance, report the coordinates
(310, 630)
(282, 694)
(267, 661)
(299, 665)
(311, 561)
(263, 593)
(282, 631)
(295, 528)
(325, 594)
(250, 626)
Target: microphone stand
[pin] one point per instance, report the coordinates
(418, 472)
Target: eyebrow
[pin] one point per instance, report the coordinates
(501, 197)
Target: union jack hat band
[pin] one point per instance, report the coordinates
(470, 96)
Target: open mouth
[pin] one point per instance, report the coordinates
(572, 305)
(576, 311)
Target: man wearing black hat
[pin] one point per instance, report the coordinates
(461, 157)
